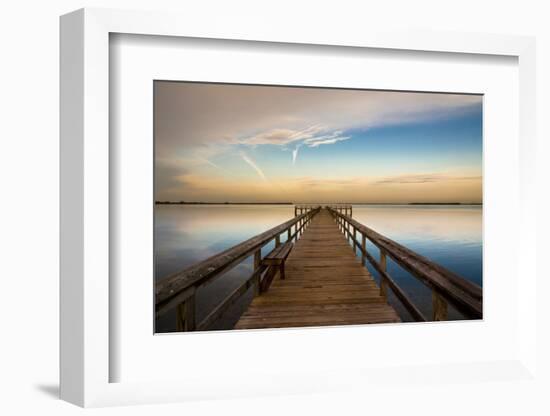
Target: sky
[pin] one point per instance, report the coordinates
(246, 143)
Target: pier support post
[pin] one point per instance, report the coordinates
(439, 306)
(185, 315)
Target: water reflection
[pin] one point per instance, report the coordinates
(186, 234)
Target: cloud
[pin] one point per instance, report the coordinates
(328, 141)
(295, 154)
(281, 136)
(312, 136)
(331, 138)
(253, 164)
(309, 182)
(209, 162)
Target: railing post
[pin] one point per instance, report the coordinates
(185, 315)
(364, 246)
(383, 262)
(288, 234)
(439, 306)
(180, 317)
(343, 226)
(277, 240)
(383, 281)
(257, 262)
(354, 239)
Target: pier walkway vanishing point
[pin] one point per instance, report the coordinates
(313, 278)
(325, 284)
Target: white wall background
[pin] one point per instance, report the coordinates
(29, 206)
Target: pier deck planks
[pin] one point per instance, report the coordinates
(325, 285)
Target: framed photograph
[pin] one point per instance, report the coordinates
(228, 197)
(254, 231)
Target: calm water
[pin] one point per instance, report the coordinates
(185, 234)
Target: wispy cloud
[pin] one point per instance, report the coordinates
(209, 162)
(312, 136)
(328, 141)
(253, 164)
(282, 136)
(295, 154)
(334, 137)
(310, 182)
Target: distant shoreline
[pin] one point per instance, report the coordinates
(322, 203)
(445, 203)
(220, 203)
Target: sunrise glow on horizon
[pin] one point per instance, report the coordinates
(240, 143)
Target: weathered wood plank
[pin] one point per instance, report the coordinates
(461, 293)
(325, 285)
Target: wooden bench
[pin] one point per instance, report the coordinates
(275, 261)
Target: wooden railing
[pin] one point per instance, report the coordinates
(300, 209)
(446, 286)
(346, 209)
(178, 290)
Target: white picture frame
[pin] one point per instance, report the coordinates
(86, 355)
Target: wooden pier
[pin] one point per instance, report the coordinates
(325, 284)
(313, 277)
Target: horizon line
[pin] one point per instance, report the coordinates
(166, 202)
